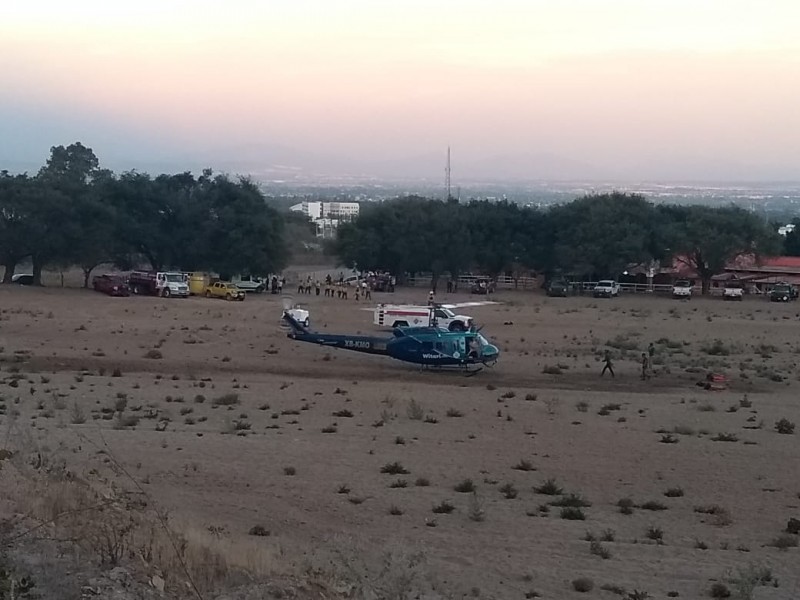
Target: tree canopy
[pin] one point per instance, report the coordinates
(594, 237)
(74, 213)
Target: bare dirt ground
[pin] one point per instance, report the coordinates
(227, 424)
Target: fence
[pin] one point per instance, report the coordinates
(532, 283)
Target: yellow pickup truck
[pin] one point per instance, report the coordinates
(225, 289)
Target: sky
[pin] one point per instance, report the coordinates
(628, 89)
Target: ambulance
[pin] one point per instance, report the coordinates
(407, 315)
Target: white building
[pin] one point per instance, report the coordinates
(327, 215)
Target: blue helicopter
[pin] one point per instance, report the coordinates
(428, 346)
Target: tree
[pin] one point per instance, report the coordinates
(600, 235)
(705, 238)
(791, 243)
(17, 197)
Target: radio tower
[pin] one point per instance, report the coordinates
(447, 175)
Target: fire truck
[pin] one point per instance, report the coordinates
(159, 283)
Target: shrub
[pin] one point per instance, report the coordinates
(398, 483)
(153, 354)
(582, 584)
(290, 471)
(395, 511)
(571, 500)
(77, 416)
(582, 406)
(654, 533)
(784, 426)
(719, 590)
(572, 513)
(674, 493)
(653, 505)
(725, 437)
(228, 399)
(415, 411)
(258, 530)
(344, 413)
(465, 487)
(549, 488)
(452, 412)
(476, 511)
(524, 465)
(552, 370)
(343, 489)
(596, 548)
(422, 482)
(509, 491)
(394, 468)
(443, 508)
(329, 429)
(784, 542)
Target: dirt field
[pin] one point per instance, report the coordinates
(250, 436)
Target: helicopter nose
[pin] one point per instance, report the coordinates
(491, 351)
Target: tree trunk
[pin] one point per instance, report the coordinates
(706, 284)
(86, 274)
(10, 264)
(37, 271)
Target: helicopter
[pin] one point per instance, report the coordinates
(428, 346)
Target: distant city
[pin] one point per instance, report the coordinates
(778, 201)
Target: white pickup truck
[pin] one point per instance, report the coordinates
(682, 289)
(406, 315)
(606, 288)
(734, 290)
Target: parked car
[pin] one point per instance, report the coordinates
(113, 285)
(226, 290)
(682, 289)
(248, 283)
(733, 291)
(22, 279)
(558, 288)
(783, 292)
(606, 288)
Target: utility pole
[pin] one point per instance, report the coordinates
(447, 175)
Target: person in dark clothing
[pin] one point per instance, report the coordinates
(645, 366)
(608, 365)
(651, 350)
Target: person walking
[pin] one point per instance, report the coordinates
(651, 350)
(645, 366)
(607, 364)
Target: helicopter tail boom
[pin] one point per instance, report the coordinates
(356, 343)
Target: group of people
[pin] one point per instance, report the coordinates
(331, 288)
(647, 363)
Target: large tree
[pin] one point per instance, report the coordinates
(705, 238)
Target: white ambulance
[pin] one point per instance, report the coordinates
(407, 315)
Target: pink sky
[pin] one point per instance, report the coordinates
(627, 87)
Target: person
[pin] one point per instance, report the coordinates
(449, 285)
(366, 289)
(645, 366)
(474, 348)
(651, 350)
(431, 298)
(281, 281)
(608, 366)
(358, 289)
(316, 287)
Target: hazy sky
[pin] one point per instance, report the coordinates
(618, 88)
